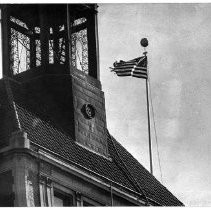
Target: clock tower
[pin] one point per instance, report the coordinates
(59, 43)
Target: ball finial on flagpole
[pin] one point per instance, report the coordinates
(144, 43)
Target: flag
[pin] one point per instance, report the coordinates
(135, 68)
(140, 69)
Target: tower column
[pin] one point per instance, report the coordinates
(32, 50)
(44, 38)
(92, 43)
(6, 41)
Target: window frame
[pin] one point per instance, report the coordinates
(63, 191)
(90, 201)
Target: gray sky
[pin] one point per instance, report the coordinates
(179, 56)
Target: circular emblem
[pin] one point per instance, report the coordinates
(88, 111)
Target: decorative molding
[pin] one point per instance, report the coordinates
(88, 111)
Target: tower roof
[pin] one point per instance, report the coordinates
(41, 108)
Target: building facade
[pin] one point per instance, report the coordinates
(55, 149)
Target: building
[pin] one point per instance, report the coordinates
(55, 149)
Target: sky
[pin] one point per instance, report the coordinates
(179, 63)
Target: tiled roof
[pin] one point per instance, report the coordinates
(43, 113)
(151, 186)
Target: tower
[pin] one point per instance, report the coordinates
(37, 40)
(54, 145)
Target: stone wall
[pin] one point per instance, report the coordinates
(6, 189)
(90, 133)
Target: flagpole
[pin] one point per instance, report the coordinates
(149, 132)
(144, 43)
(138, 68)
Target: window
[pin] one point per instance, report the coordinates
(57, 195)
(62, 196)
(53, 194)
(85, 201)
(45, 191)
(19, 46)
(62, 199)
(80, 44)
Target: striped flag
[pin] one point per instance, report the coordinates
(135, 68)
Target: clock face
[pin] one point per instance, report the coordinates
(88, 111)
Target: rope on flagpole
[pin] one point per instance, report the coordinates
(144, 43)
(149, 128)
(155, 130)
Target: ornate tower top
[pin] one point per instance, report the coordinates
(41, 41)
(36, 36)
